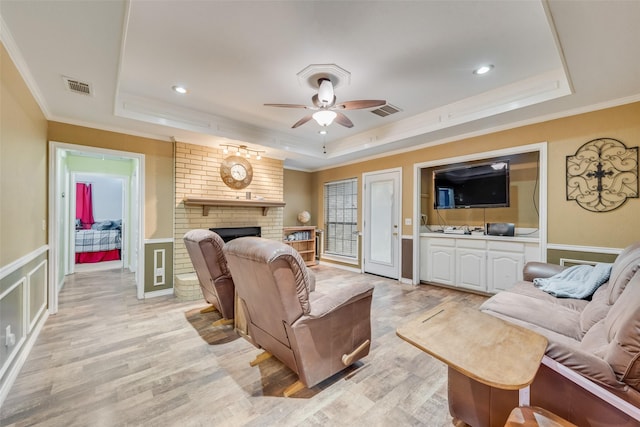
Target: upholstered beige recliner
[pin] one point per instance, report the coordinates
(315, 333)
(205, 250)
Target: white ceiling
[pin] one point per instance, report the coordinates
(551, 59)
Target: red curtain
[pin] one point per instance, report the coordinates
(84, 204)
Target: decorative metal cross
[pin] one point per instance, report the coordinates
(599, 174)
(614, 180)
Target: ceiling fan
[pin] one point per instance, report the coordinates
(324, 105)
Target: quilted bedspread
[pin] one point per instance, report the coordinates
(97, 240)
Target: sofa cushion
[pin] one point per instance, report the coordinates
(546, 314)
(597, 308)
(622, 324)
(624, 268)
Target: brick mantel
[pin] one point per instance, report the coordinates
(200, 189)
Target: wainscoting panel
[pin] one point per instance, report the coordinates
(37, 293)
(23, 310)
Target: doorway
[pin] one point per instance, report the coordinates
(382, 228)
(98, 245)
(67, 160)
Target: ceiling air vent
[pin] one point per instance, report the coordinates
(76, 86)
(386, 110)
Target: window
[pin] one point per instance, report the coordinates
(340, 212)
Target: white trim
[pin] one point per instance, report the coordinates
(540, 147)
(407, 237)
(162, 268)
(340, 266)
(488, 131)
(22, 261)
(406, 281)
(22, 358)
(158, 293)
(589, 249)
(44, 286)
(162, 240)
(593, 388)
(137, 180)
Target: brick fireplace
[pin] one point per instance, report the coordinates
(197, 175)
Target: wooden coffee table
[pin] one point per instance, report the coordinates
(478, 345)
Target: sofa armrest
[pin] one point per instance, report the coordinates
(584, 363)
(323, 303)
(533, 270)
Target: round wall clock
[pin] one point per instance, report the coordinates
(236, 172)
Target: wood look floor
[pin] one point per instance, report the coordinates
(107, 359)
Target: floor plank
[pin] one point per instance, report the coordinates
(108, 359)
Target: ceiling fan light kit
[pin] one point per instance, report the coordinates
(324, 104)
(324, 117)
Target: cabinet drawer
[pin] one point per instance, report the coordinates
(471, 244)
(442, 242)
(506, 246)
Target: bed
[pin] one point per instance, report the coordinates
(101, 242)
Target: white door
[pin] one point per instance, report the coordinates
(382, 223)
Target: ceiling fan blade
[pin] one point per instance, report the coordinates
(358, 105)
(286, 105)
(302, 121)
(343, 120)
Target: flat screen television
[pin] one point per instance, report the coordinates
(484, 185)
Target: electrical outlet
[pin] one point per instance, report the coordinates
(407, 221)
(10, 338)
(159, 271)
(44, 225)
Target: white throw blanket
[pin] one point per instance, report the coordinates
(579, 281)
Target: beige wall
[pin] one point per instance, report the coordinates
(23, 166)
(297, 196)
(567, 222)
(158, 162)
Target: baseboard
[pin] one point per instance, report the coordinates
(341, 266)
(12, 374)
(160, 293)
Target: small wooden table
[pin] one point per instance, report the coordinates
(478, 345)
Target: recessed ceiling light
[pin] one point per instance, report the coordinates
(483, 69)
(179, 89)
(322, 132)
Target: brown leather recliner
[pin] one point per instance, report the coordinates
(205, 250)
(315, 333)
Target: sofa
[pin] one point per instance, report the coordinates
(590, 374)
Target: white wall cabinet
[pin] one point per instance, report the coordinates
(481, 263)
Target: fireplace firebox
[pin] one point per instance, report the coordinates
(230, 233)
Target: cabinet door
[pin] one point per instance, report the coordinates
(505, 269)
(471, 268)
(441, 265)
